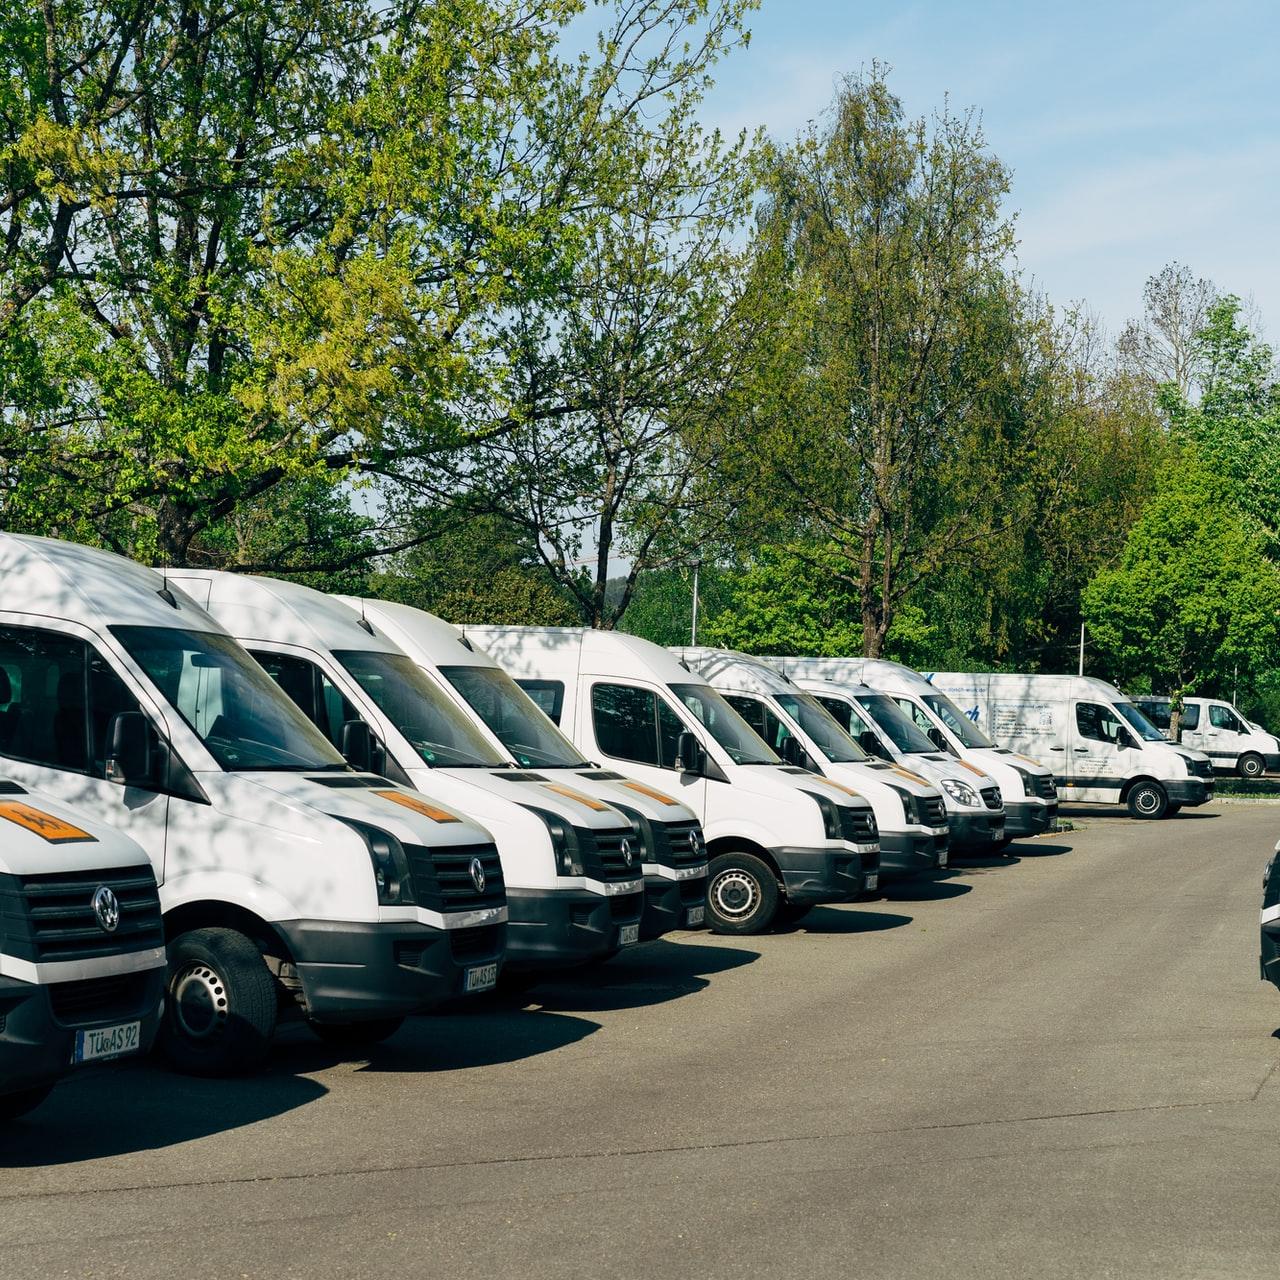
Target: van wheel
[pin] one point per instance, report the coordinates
(1148, 800)
(220, 1005)
(355, 1035)
(742, 894)
(13, 1105)
(1251, 765)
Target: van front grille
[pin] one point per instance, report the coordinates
(679, 844)
(603, 855)
(443, 878)
(1044, 786)
(77, 1004)
(858, 826)
(991, 798)
(934, 811)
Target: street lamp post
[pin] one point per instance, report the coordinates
(693, 629)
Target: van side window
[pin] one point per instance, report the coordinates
(1159, 714)
(548, 694)
(1191, 716)
(842, 711)
(108, 697)
(626, 722)
(1223, 718)
(42, 698)
(1097, 722)
(760, 718)
(314, 694)
(916, 713)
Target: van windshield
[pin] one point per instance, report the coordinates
(514, 717)
(956, 720)
(894, 724)
(231, 704)
(1139, 723)
(740, 741)
(822, 727)
(430, 722)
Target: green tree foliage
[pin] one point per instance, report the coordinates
(1193, 596)
(661, 607)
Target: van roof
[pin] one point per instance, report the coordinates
(1073, 684)
(420, 634)
(849, 688)
(728, 669)
(93, 587)
(607, 653)
(274, 610)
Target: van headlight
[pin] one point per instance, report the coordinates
(908, 809)
(830, 816)
(391, 871)
(564, 842)
(1027, 788)
(961, 792)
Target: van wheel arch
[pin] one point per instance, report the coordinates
(739, 844)
(226, 915)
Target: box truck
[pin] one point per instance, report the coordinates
(290, 884)
(1027, 788)
(1214, 726)
(82, 958)
(1101, 748)
(911, 815)
(669, 833)
(571, 863)
(778, 839)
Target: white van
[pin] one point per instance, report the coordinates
(289, 883)
(1027, 788)
(1101, 748)
(1213, 726)
(910, 813)
(777, 837)
(571, 863)
(675, 853)
(975, 812)
(82, 958)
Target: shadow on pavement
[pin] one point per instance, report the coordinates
(1040, 848)
(649, 974)
(848, 920)
(931, 888)
(116, 1110)
(962, 862)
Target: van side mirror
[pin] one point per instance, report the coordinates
(129, 759)
(793, 753)
(690, 757)
(868, 741)
(357, 746)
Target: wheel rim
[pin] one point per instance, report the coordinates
(735, 894)
(1251, 768)
(1147, 801)
(199, 1002)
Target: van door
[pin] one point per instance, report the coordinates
(1098, 754)
(1222, 736)
(638, 730)
(58, 697)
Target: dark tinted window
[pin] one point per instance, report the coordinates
(311, 691)
(1191, 716)
(760, 718)
(1225, 718)
(635, 724)
(1097, 722)
(1158, 713)
(842, 712)
(548, 694)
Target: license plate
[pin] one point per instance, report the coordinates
(873, 880)
(942, 858)
(482, 977)
(998, 828)
(627, 934)
(107, 1042)
(695, 916)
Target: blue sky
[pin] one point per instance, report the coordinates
(1137, 133)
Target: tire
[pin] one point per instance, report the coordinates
(1148, 801)
(1172, 809)
(1251, 765)
(13, 1105)
(742, 894)
(220, 1004)
(791, 913)
(356, 1035)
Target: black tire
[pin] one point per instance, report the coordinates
(791, 913)
(1173, 808)
(13, 1105)
(742, 894)
(220, 1004)
(1251, 765)
(356, 1035)
(1148, 801)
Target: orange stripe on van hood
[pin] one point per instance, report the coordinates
(570, 794)
(839, 786)
(910, 777)
(649, 791)
(46, 825)
(418, 806)
(972, 768)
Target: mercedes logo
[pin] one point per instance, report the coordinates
(477, 874)
(106, 908)
(627, 856)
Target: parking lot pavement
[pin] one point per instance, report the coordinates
(1058, 1063)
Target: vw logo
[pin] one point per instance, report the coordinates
(627, 856)
(106, 908)
(477, 874)
(695, 843)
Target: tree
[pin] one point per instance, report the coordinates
(884, 427)
(1192, 596)
(1165, 345)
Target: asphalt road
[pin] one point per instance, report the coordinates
(1057, 1064)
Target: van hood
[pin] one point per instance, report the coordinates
(899, 776)
(565, 796)
(997, 756)
(603, 784)
(936, 766)
(409, 816)
(39, 835)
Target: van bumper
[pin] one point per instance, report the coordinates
(1189, 791)
(36, 1043)
(909, 853)
(1028, 818)
(352, 972)
(1271, 761)
(673, 904)
(976, 832)
(819, 875)
(562, 928)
